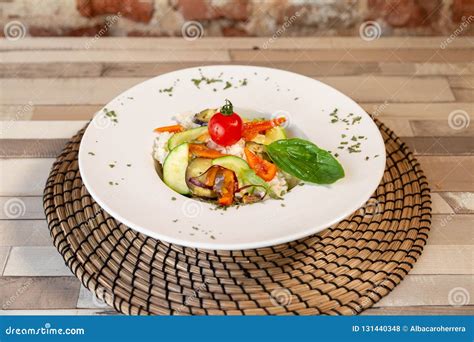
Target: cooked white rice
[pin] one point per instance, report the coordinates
(236, 150)
(278, 184)
(186, 120)
(160, 146)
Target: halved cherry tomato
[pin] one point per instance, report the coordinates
(170, 129)
(263, 168)
(201, 150)
(225, 127)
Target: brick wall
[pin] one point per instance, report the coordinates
(236, 17)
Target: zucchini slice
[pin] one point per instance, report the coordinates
(174, 169)
(185, 137)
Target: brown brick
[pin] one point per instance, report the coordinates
(204, 10)
(462, 10)
(405, 13)
(137, 10)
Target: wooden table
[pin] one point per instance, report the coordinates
(50, 87)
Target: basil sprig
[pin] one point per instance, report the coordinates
(306, 161)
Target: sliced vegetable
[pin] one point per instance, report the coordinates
(252, 128)
(305, 161)
(198, 167)
(236, 164)
(225, 185)
(203, 117)
(245, 175)
(201, 150)
(170, 129)
(186, 136)
(258, 149)
(174, 169)
(263, 168)
(274, 134)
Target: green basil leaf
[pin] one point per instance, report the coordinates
(306, 161)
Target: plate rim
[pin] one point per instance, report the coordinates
(215, 245)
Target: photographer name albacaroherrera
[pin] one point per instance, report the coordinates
(439, 328)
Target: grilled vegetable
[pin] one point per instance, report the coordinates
(202, 118)
(197, 168)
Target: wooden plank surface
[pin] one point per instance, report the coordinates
(50, 88)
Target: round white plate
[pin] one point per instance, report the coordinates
(117, 167)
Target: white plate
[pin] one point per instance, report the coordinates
(132, 192)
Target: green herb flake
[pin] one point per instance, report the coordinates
(227, 85)
(91, 153)
(129, 165)
(111, 165)
(173, 198)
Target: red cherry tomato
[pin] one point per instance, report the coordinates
(225, 127)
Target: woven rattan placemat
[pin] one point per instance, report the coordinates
(342, 270)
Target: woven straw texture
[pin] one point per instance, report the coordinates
(342, 270)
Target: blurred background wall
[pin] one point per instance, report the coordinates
(235, 17)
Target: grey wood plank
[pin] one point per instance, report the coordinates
(462, 128)
(431, 290)
(31, 148)
(245, 43)
(439, 146)
(4, 252)
(35, 261)
(21, 208)
(435, 310)
(33, 293)
(60, 312)
(25, 233)
(462, 202)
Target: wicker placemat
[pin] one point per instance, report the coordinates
(342, 270)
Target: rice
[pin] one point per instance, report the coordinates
(186, 120)
(278, 184)
(236, 150)
(160, 146)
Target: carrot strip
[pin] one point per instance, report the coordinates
(251, 129)
(263, 168)
(201, 150)
(170, 129)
